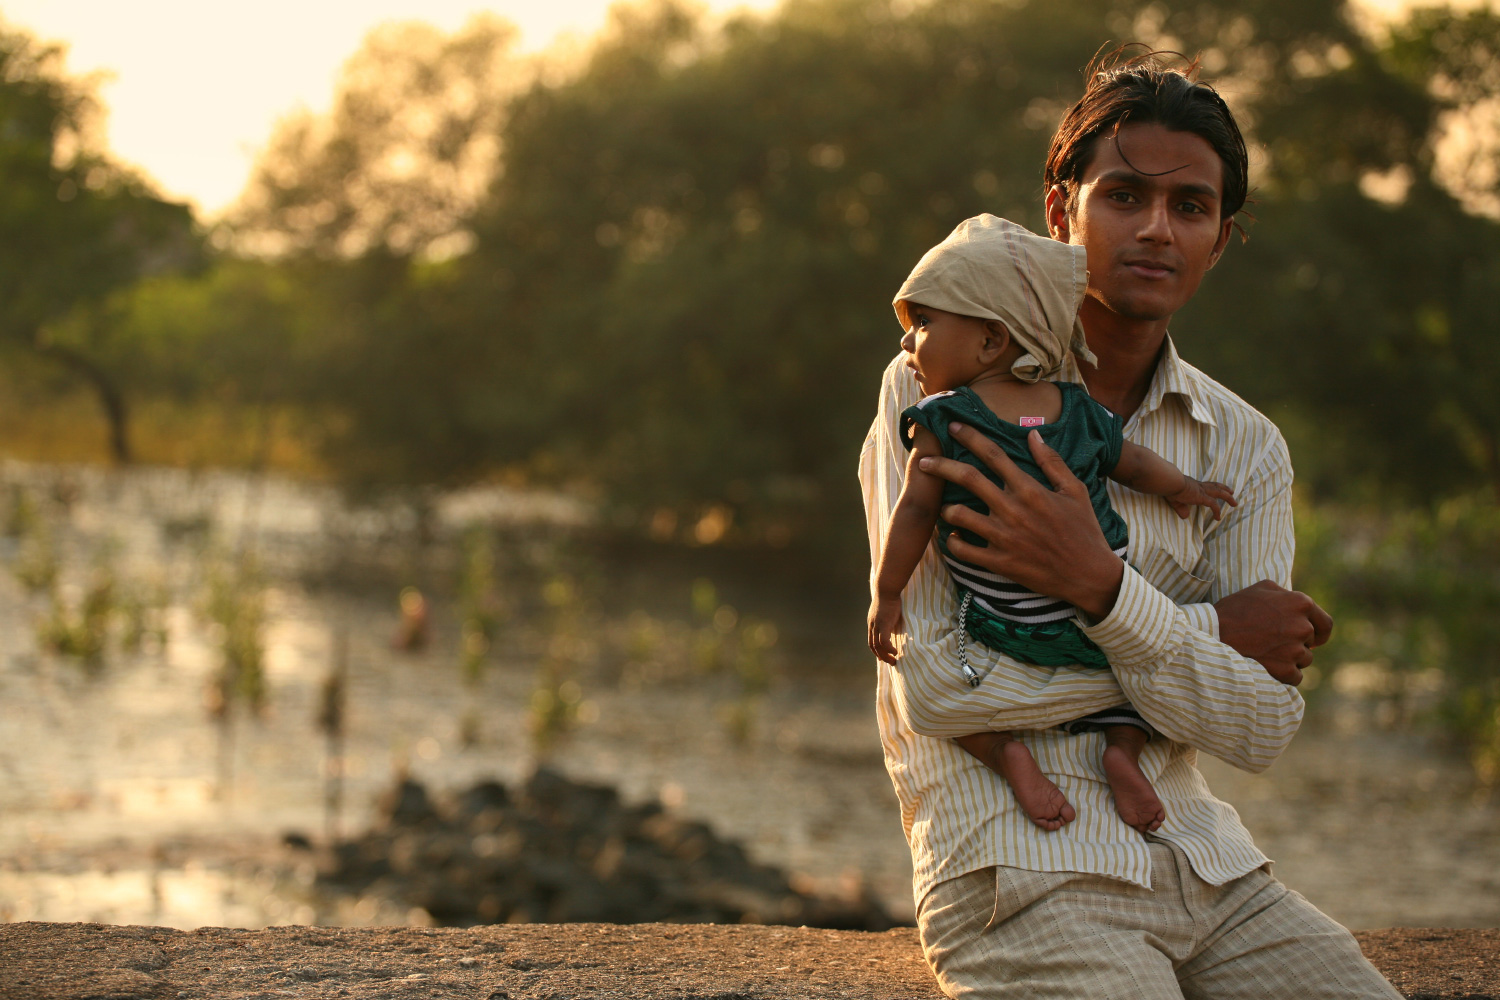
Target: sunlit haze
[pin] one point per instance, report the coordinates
(194, 89)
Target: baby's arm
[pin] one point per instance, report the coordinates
(910, 531)
(1144, 471)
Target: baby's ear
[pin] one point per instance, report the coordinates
(996, 339)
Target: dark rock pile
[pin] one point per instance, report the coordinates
(561, 852)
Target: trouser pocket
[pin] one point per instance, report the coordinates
(1017, 888)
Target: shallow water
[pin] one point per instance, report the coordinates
(115, 804)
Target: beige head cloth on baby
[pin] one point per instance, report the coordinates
(994, 269)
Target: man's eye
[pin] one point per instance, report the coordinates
(1190, 207)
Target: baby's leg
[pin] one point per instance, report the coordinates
(1008, 757)
(1135, 799)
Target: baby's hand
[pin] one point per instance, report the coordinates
(1201, 494)
(884, 624)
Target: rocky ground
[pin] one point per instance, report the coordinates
(561, 851)
(566, 961)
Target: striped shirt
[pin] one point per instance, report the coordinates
(1161, 639)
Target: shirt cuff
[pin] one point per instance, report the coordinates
(1139, 627)
(1203, 617)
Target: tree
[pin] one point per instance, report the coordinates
(73, 225)
(408, 150)
(1367, 292)
(359, 211)
(677, 293)
(694, 240)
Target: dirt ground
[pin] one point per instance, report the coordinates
(40, 961)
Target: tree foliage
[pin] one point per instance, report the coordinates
(663, 277)
(1365, 300)
(74, 226)
(672, 285)
(692, 246)
(405, 155)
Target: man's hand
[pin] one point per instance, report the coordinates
(1047, 540)
(1275, 626)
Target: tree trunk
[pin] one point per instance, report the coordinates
(110, 397)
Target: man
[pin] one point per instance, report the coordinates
(1203, 635)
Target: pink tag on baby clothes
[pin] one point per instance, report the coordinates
(1033, 421)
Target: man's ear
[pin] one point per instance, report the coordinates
(1225, 229)
(996, 340)
(1059, 226)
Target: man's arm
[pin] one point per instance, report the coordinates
(1199, 689)
(929, 686)
(1193, 687)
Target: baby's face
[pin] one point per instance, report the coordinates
(942, 348)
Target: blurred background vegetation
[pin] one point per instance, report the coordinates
(657, 275)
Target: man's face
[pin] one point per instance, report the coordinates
(1147, 212)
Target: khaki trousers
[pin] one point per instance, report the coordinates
(1009, 933)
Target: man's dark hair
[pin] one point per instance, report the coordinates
(1125, 89)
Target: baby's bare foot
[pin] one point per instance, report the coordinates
(1043, 801)
(1135, 799)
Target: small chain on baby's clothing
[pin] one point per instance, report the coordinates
(970, 674)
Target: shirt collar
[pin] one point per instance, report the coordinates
(1173, 376)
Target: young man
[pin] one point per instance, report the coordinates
(1205, 639)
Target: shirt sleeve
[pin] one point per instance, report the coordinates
(1187, 684)
(930, 689)
(934, 413)
(1168, 660)
(927, 417)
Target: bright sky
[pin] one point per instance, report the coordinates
(194, 87)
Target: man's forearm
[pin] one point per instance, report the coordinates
(935, 701)
(1168, 662)
(1194, 683)
(1193, 688)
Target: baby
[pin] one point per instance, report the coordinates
(990, 314)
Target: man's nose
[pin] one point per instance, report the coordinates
(1156, 222)
(909, 342)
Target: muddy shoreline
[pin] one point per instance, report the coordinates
(124, 802)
